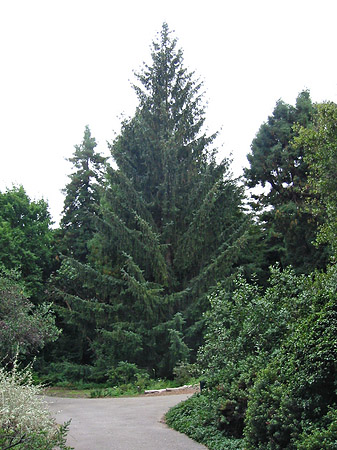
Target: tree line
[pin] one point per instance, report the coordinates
(163, 258)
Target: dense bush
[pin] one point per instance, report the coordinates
(25, 422)
(23, 327)
(196, 417)
(125, 373)
(185, 373)
(269, 362)
(293, 401)
(64, 372)
(245, 330)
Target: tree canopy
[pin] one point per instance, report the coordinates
(26, 239)
(277, 164)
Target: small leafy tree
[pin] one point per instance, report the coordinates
(293, 402)
(24, 328)
(244, 331)
(320, 142)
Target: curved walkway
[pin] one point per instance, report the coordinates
(120, 423)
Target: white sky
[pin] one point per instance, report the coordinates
(68, 63)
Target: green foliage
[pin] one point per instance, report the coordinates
(126, 373)
(196, 418)
(245, 330)
(269, 362)
(293, 395)
(278, 164)
(81, 204)
(320, 436)
(26, 239)
(24, 329)
(319, 143)
(60, 373)
(25, 422)
(171, 223)
(185, 372)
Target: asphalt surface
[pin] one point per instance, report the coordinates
(120, 423)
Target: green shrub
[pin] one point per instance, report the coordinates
(320, 437)
(125, 373)
(290, 402)
(269, 362)
(65, 373)
(25, 422)
(185, 373)
(24, 328)
(196, 417)
(245, 330)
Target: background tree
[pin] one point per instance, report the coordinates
(26, 239)
(81, 202)
(275, 161)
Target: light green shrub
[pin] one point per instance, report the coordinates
(25, 422)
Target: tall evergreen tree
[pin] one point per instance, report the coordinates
(172, 217)
(279, 164)
(172, 225)
(81, 202)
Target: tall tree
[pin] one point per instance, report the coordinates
(81, 202)
(279, 164)
(171, 225)
(172, 218)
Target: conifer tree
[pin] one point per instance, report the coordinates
(172, 218)
(171, 226)
(81, 202)
(278, 164)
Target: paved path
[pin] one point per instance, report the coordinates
(120, 423)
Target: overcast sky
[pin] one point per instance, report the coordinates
(69, 63)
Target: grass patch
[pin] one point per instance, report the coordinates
(58, 391)
(87, 390)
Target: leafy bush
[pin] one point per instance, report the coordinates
(318, 436)
(23, 327)
(293, 398)
(125, 373)
(25, 422)
(196, 417)
(269, 362)
(245, 330)
(185, 373)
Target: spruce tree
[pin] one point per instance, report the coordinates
(81, 202)
(171, 226)
(172, 219)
